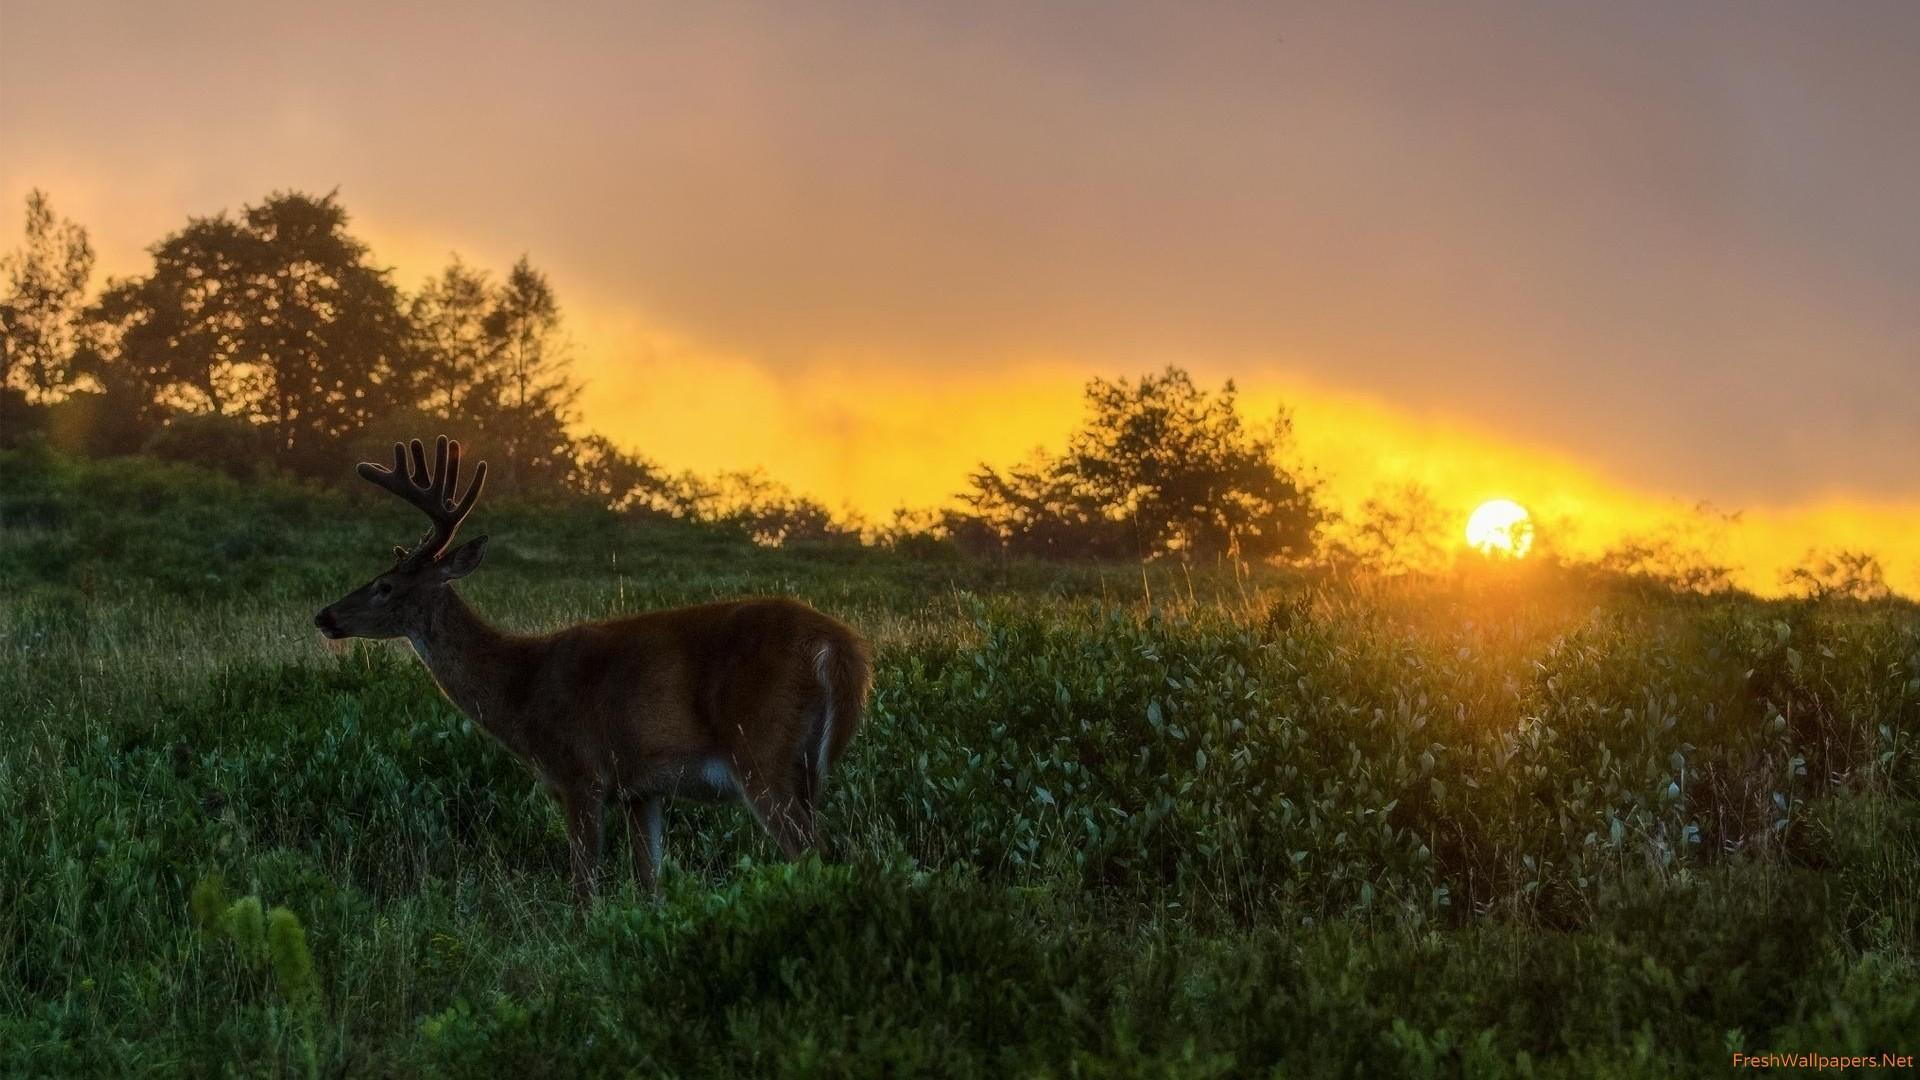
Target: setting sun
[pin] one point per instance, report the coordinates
(1500, 527)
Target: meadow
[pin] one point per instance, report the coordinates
(1102, 821)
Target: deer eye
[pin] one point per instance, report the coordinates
(382, 590)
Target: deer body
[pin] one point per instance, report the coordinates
(751, 699)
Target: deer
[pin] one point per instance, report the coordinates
(751, 699)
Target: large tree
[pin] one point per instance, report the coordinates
(524, 402)
(456, 349)
(1159, 467)
(277, 317)
(1040, 508)
(524, 326)
(488, 363)
(45, 282)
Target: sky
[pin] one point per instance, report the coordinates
(1607, 260)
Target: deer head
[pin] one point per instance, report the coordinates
(399, 602)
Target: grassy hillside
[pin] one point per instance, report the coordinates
(1505, 824)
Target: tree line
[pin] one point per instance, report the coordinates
(270, 338)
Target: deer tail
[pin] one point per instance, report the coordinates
(844, 669)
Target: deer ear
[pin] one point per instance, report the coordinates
(399, 553)
(462, 560)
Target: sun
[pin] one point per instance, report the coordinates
(1500, 527)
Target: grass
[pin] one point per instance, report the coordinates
(1514, 823)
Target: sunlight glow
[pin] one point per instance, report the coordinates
(1500, 527)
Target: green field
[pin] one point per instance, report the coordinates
(1512, 822)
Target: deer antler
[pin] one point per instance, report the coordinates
(431, 492)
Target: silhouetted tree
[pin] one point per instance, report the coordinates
(1160, 466)
(177, 331)
(45, 282)
(919, 533)
(525, 328)
(525, 400)
(455, 350)
(1846, 574)
(1042, 509)
(1679, 555)
(614, 478)
(1395, 532)
(756, 505)
(277, 318)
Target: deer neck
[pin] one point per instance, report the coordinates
(475, 664)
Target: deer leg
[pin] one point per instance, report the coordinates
(806, 802)
(583, 841)
(778, 810)
(643, 832)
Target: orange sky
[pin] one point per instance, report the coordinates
(1604, 260)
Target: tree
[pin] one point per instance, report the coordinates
(524, 328)
(277, 318)
(756, 505)
(1397, 531)
(524, 402)
(1682, 555)
(456, 352)
(45, 282)
(1845, 574)
(177, 332)
(613, 477)
(1159, 467)
(1039, 508)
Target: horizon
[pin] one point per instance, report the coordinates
(1606, 266)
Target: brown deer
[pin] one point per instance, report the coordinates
(751, 699)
